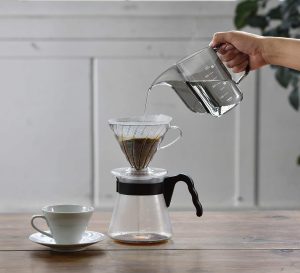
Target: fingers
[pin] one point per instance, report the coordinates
(238, 59)
(224, 48)
(230, 55)
(233, 58)
(241, 67)
(235, 49)
(221, 38)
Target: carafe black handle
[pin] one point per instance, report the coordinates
(169, 184)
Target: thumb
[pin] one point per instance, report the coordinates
(220, 38)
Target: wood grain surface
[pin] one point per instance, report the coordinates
(248, 241)
(123, 261)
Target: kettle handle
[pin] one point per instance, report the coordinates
(247, 69)
(169, 184)
(244, 75)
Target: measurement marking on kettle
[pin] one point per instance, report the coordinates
(224, 95)
(208, 75)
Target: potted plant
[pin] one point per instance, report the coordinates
(281, 20)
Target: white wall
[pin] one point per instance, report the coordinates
(66, 68)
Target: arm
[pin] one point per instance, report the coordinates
(282, 51)
(238, 48)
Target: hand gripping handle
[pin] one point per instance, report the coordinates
(169, 184)
(247, 69)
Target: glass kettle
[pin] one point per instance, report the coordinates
(203, 83)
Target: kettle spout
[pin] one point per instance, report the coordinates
(174, 79)
(170, 75)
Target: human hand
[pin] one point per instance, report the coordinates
(238, 49)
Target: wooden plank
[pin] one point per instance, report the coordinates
(76, 8)
(215, 230)
(140, 27)
(112, 49)
(202, 261)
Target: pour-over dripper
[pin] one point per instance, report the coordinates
(140, 137)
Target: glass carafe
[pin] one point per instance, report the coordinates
(140, 214)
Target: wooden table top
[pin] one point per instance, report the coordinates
(225, 242)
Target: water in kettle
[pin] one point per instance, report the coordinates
(217, 96)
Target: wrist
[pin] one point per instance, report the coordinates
(266, 49)
(270, 49)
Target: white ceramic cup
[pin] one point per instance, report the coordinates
(67, 223)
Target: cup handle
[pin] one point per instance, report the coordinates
(35, 227)
(175, 140)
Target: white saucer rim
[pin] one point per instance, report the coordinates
(100, 237)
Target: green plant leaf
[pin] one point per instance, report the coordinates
(279, 31)
(258, 21)
(289, 5)
(283, 75)
(298, 160)
(294, 98)
(270, 32)
(244, 10)
(263, 3)
(275, 13)
(295, 79)
(295, 20)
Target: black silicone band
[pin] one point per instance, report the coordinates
(140, 189)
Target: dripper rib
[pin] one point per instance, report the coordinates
(139, 137)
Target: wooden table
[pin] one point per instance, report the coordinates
(251, 241)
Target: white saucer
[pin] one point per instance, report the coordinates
(88, 238)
